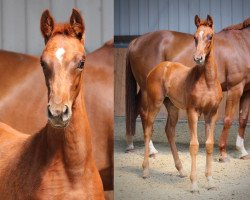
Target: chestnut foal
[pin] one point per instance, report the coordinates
(56, 162)
(197, 90)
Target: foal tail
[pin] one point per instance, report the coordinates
(130, 98)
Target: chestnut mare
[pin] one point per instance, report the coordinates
(21, 78)
(56, 162)
(196, 89)
(232, 50)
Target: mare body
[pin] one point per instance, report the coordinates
(231, 50)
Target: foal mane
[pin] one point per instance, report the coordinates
(240, 26)
(63, 29)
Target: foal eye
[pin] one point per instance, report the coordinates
(81, 64)
(209, 37)
(42, 64)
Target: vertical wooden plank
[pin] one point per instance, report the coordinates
(237, 13)
(183, 16)
(143, 16)
(124, 20)
(226, 14)
(215, 6)
(153, 13)
(204, 8)
(246, 9)
(107, 20)
(194, 9)
(134, 17)
(163, 14)
(173, 15)
(91, 10)
(117, 17)
(14, 25)
(35, 40)
(61, 9)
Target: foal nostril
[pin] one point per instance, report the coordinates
(66, 110)
(50, 115)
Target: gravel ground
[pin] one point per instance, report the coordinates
(231, 179)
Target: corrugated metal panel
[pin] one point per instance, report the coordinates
(20, 22)
(176, 15)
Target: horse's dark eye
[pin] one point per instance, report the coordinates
(81, 64)
(209, 37)
(42, 64)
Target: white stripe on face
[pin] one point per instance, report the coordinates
(201, 34)
(59, 54)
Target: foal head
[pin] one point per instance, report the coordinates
(203, 38)
(62, 61)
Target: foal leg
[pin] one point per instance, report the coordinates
(172, 120)
(194, 147)
(153, 109)
(210, 121)
(243, 117)
(232, 101)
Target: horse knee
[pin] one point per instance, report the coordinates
(193, 148)
(209, 147)
(227, 122)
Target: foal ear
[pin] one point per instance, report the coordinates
(210, 21)
(77, 24)
(197, 21)
(46, 25)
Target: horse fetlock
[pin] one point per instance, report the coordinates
(152, 150)
(240, 146)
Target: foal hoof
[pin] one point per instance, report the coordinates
(153, 155)
(246, 157)
(224, 159)
(182, 173)
(130, 148)
(195, 189)
(145, 173)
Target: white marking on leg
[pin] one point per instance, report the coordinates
(59, 54)
(152, 149)
(130, 147)
(240, 146)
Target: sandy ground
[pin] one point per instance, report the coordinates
(231, 179)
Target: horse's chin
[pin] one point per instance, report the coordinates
(58, 124)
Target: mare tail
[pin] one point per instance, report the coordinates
(130, 98)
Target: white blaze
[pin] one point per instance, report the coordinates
(201, 34)
(59, 54)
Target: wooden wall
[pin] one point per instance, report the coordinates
(136, 17)
(20, 29)
(120, 65)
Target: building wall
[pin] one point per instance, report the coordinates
(136, 17)
(20, 22)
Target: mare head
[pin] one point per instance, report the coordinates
(203, 38)
(62, 61)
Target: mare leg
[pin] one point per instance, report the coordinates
(243, 117)
(142, 111)
(194, 147)
(210, 121)
(172, 120)
(232, 101)
(129, 137)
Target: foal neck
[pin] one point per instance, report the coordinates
(73, 143)
(210, 68)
